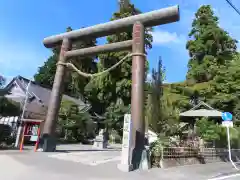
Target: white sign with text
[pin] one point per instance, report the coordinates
(126, 140)
(227, 123)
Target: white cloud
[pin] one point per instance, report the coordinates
(174, 41)
(164, 37)
(149, 78)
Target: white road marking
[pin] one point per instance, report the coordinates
(88, 158)
(225, 177)
(105, 161)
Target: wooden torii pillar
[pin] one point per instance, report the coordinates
(138, 23)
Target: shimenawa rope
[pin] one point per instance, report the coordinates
(87, 75)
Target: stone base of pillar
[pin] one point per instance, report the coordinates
(145, 160)
(47, 143)
(141, 159)
(125, 167)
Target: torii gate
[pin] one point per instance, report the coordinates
(138, 23)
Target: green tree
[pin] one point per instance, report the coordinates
(225, 88)
(111, 93)
(46, 73)
(8, 107)
(74, 84)
(161, 115)
(214, 63)
(73, 123)
(154, 105)
(210, 46)
(211, 132)
(208, 130)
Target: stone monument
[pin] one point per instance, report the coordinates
(100, 141)
(126, 164)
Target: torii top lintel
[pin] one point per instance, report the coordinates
(149, 19)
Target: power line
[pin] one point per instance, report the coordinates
(234, 7)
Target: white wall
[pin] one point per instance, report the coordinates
(9, 120)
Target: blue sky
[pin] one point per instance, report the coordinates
(24, 24)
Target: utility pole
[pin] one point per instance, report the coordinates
(22, 115)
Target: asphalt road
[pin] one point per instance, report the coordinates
(81, 162)
(232, 176)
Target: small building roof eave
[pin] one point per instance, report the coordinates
(202, 113)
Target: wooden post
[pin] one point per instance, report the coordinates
(23, 136)
(38, 136)
(137, 96)
(48, 139)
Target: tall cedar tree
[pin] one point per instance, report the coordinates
(74, 84)
(110, 94)
(209, 48)
(161, 115)
(155, 113)
(224, 93)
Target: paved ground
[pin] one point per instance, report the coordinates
(81, 162)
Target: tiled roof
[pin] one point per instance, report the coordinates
(41, 94)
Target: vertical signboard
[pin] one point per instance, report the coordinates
(126, 144)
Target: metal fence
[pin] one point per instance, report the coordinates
(177, 156)
(187, 152)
